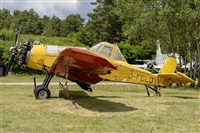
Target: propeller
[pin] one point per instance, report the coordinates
(13, 51)
(150, 66)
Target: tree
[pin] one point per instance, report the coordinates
(44, 21)
(71, 24)
(104, 24)
(175, 23)
(34, 23)
(140, 21)
(5, 18)
(52, 27)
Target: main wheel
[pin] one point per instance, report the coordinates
(41, 92)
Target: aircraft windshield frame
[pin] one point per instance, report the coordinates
(108, 50)
(116, 56)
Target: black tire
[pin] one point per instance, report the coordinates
(41, 92)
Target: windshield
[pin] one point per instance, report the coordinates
(97, 47)
(108, 50)
(116, 56)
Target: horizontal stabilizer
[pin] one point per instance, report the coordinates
(167, 74)
(184, 79)
(167, 78)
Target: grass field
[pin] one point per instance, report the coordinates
(28, 78)
(110, 108)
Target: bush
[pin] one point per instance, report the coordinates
(130, 52)
(7, 35)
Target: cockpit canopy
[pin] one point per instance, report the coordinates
(108, 50)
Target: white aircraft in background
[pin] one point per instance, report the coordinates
(156, 64)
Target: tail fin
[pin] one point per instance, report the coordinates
(158, 51)
(169, 66)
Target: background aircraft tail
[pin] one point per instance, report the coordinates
(158, 50)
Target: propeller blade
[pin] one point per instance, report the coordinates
(13, 51)
(10, 63)
(17, 36)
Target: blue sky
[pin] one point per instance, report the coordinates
(60, 8)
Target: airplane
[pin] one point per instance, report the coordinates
(87, 66)
(156, 64)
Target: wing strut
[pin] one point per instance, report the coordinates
(66, 92)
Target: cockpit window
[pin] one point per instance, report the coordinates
(106, 51)
(116, 56)
(97, 47)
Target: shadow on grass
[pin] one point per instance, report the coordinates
(96, 104)
(185, 97)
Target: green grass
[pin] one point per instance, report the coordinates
(27, 78)
(110, 108)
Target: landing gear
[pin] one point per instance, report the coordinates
(42, 91)
(155, 88)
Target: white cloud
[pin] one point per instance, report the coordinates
(59, 8)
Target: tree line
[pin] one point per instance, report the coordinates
(134, 25)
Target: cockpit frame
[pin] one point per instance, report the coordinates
(108, 51)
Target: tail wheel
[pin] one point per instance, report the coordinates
(41, 92)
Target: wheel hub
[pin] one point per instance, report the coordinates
(42, 94)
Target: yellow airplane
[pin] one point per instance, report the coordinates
(87, 66)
